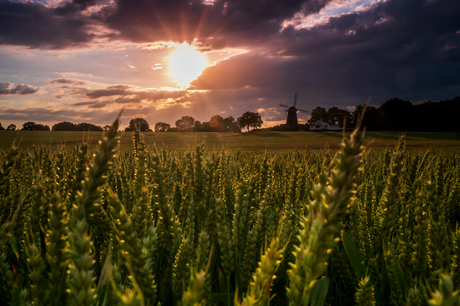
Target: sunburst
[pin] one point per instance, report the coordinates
(186, 64)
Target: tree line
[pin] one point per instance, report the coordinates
(397, 115)
(393, 115)
(61, 126)
(188, 124)
(27, 126)
(185, 124)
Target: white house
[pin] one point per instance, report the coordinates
(321, 125)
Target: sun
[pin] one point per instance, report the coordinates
(186, 64)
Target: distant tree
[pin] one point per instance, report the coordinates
(396, 115)
(197, 127)
(162, 127)
(185, 123)
(106, 127)
(41, 127)
(203, 127)
(231, 124)
(319, 113)
(139, 123)
(64, 126)
(89, 127)
(32, 126)
(28, 126)
(335, 114)
(250, 119)
(370, 119)
(217, 123)
(11, 127)
(1, 127)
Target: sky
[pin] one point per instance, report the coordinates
(85, 60)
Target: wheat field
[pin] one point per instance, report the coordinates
(157, 226)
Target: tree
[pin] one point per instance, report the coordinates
(198, 126)
(370, 119)
(28, 126)
(1, 127)
(185, 123)
(162, 127)
(217, 123)
(32, 126)
(250, 119)
(139, 123)
(231, 124)
(41, 127)
(89, 127)
(319, 113)
(64, 126)
(11, 127)
(334, 114)
(396, 114)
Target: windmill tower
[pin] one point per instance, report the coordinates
(291, 113)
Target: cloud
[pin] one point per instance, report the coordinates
(73, 74)
(67, 81)
(133, 94)
(101, 95)
(91, 104)
(35, 25)
(50, 116)
(115, 90)
(79, 22)
(393, 48)
(21, 89)
(185, 20)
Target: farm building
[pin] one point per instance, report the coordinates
(321, 125)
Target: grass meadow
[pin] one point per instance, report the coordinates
(253, 141)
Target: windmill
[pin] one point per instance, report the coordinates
(291, 112)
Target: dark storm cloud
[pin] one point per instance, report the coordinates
(33, 24)
(21, 89)
(405, 48)
(234, 22)
(74, 6)
(223, 23)
(389, 31)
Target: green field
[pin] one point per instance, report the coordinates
(189, 227)
(259, 140)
